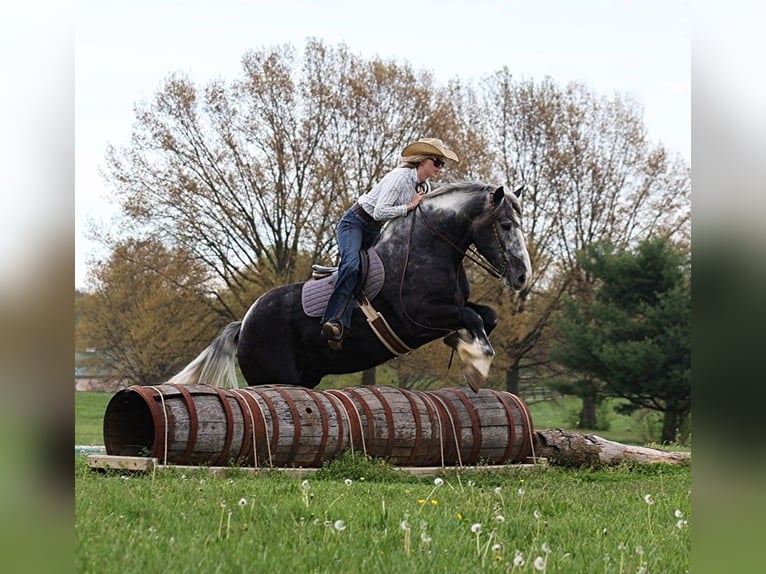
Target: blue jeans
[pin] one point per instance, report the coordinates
(353, 235)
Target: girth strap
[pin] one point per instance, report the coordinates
(382, 329)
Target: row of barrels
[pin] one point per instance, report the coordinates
(285, 426)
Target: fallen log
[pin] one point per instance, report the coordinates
(567, 448)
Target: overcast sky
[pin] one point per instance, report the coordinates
(123, 50)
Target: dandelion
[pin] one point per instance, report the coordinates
(497, 548)
(546, 548)
(305, 492)
(348, 482)
(339, 525)
(681, 524)
(476, 529)
(422, 501)
(649, 501)
(459, 516)
(405, 526)
(521, 492)
(425, 539)
(500, 518)
(518, 559)
(242, 502)
(641, 570)
(539, 564)
(537, 514)
(305, 485)
(498, 490)
(470, 483)
(678, 513)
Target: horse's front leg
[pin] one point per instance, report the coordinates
(469, 339)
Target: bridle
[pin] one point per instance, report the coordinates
(471, 253)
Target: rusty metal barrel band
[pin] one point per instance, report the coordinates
(418, 426)
(259, 425)
(223, 396)
(367, 413)
(387, 450)
(158, 417)
(274, 442)
(191, 408)
(454, 418)
(324, 418)
(296, 423)
(247, 426)
(340, 414)
(527, 447)
(473, 416)
(505, 400)
(434, 407)
(354, 420)
(253, 395)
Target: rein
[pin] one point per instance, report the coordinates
(473, 255)
(470, 253)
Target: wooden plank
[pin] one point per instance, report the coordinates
(145, 464)
(122, 462)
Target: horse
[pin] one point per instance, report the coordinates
(423, 297)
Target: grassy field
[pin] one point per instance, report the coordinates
(359, 515)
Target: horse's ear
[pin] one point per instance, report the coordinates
(498, 196)
(518, 191)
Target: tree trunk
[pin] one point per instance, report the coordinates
(588, 418)
(512, 379)
(368, 376)
(567, 448)
(671, 425)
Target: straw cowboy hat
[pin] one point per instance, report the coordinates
(429, 146)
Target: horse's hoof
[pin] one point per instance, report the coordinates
(473, 377)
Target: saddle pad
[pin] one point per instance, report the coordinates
(316, 292)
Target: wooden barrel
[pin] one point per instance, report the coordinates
(293, 426)
(392, 423)
(489, 427)
(203, 425)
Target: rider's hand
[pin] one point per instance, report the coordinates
(416, 200)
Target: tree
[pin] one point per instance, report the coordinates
(250, 176)
(146, 316)
(634, 333)
(591, 175)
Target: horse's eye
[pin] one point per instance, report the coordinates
(506, 225)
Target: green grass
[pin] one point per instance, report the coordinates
(588, 521)
(89, 409)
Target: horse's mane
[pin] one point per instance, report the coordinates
(462, 186)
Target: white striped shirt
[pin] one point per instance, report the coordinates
(389, 197)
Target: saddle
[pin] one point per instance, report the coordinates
(317, 290)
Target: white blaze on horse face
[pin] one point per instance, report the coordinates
(517, 246)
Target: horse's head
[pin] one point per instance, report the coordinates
(498, 237)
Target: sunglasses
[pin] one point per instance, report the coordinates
(437, 161)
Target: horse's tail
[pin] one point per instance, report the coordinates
(215, 365)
